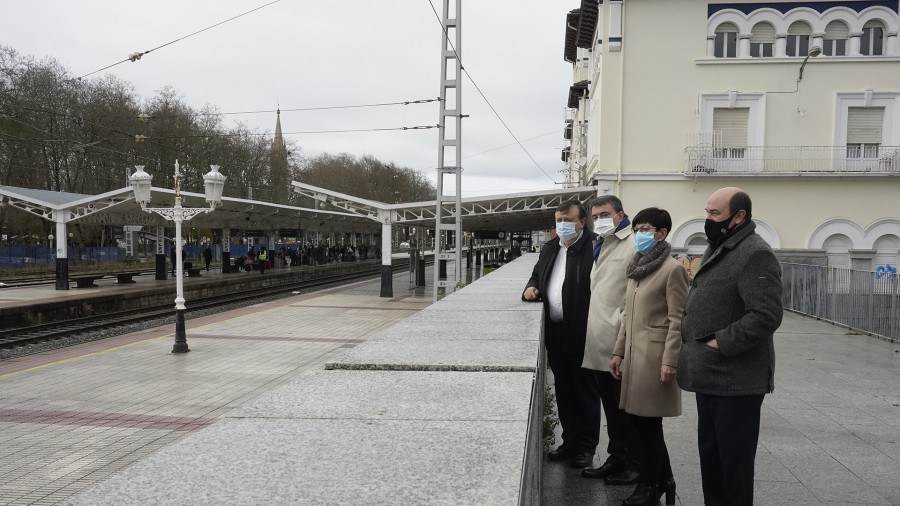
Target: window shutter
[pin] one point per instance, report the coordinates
(799, 28)
(762, 32)
(731, 124)
(864, 125)
(836, 30)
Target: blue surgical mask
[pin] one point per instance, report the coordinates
(566, 230)
(643, 242)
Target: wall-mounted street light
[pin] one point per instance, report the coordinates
(813, 52)
(214, 184)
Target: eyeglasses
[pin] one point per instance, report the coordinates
(644, 228)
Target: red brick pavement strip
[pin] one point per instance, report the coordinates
(117, 420)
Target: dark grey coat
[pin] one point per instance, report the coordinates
(735, 297)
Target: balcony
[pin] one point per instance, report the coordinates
(792, 160)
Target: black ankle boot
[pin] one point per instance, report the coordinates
(667, 487)
(642, 495)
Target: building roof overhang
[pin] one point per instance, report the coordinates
(576, 92)
(587, 23)
(570, 52)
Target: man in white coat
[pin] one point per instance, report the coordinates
(612, 252)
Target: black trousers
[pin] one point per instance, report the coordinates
(577, 393)
(727, 435)
(655, 454)
(624, 446)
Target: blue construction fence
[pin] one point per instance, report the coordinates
(33, 254)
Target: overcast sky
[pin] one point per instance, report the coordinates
(307, 53)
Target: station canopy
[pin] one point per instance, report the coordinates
(118, 208)
(337, 212)
(514, 212)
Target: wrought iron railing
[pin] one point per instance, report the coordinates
(853, 159)
(868, 301)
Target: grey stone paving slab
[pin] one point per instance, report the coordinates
(498, 319)
(327, 462)
(520, 327)
(398, 395)
(512, 304)
(446, 354)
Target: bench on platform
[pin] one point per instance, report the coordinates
(123, 278)
(192, 272)
(86, 281)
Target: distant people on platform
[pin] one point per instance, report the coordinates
(241, 263)
(612, 251)
(262, 259)
(646, 352)
(172, 256)
(207, 256)
(561, 279)
(728, 355)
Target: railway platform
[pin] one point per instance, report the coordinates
(26, 306)
(74, 416)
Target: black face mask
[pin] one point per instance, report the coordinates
(715, 230)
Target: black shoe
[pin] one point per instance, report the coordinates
(626, 477)
(642, 495)
(607, 469)
(561, 453)
(668, 487)
(583, 459)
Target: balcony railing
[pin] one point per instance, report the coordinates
(854, 159)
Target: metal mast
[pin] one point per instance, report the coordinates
(451, 106)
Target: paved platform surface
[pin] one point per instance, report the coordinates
(73, 417)
(416, 418)
(830, 432)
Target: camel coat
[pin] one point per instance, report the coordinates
(650, 337)
(608, 284)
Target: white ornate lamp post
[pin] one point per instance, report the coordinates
(214, 184)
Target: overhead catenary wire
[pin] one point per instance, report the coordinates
(137, 55)
(488, 102)
(304, 132)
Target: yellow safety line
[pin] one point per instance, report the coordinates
(86, 355)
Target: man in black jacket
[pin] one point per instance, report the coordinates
(562, 280)
(728, 355)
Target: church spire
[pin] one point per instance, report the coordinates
(278, 141)
(279, 175)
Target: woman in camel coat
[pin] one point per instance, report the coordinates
(646, 351)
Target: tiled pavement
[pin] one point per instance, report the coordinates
(72, 417)
(830, 432)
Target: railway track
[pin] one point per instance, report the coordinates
(60, 330)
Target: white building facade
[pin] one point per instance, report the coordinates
(798, 103)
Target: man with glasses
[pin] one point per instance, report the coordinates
(727, 354)
(612, 252)
(561, 279)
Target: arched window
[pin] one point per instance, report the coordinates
(762, 40)
(798, 39)
(836, 35)
(872, 40)
(726, 41)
